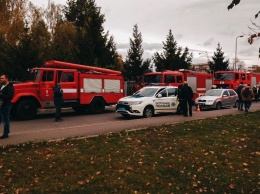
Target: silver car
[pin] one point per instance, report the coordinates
(217, 98)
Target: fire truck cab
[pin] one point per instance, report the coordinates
(84, 88)
(232, 79)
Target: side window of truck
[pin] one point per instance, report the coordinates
(169, 79)
(47, 76)
(236, 76)
(67, 77)
(179, 79)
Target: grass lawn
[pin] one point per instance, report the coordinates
(217, 155)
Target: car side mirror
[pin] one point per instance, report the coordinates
(159, 95)
(224, 95)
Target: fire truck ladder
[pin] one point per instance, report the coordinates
(60, 64)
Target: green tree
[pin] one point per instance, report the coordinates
(218, 63)
(134, 65)
(93, 45)
(172, 57)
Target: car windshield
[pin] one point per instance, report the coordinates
(157, 78)
(213, 93)
(224, 76)
(145, 92)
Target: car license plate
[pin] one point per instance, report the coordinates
(201, 103)
(121, 108)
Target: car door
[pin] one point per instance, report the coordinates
(166, 101)
(225, 98)
(233, 97)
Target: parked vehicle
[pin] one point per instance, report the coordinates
(149, 101)
(200, 82)
(217, 98)
(84, 87)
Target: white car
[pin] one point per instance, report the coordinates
(218, 98)
(148, 101)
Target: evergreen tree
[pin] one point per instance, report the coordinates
(218, 63)
(172, 57)
(134, 65)
(93, 45)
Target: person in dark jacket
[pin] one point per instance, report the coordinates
(247, 99)
(187, 95)
(255, 93)
(6, 95)
(180, 105)
(240, 101)
(58, 101)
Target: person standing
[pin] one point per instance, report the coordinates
(255, 93)
(247, 96)
(58, 101)
(240, 101)
(187, 95)
(6, 95)
(179, 97)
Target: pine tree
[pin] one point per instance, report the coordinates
(134, 65)
(172, 57)
(218, 63)
(93, 45)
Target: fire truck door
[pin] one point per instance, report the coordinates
(46, 87)
(192, 82)
(69, 84)
(253, 81)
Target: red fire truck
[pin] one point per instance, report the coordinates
(84, 88)
(232, 79)
(200, 82)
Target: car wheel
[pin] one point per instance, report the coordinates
(236, 104)
(148, 112)
(218, 105)
(126, 116)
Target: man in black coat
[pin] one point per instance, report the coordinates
(240, 101)
(58, 101)
(187, 95)
(6, 95)
(180, 105)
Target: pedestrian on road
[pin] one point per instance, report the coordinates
(187, 95)
(58, 101)
(247, 96)
(240, 101)
(6, 95)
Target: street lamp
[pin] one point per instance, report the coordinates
(236, 52)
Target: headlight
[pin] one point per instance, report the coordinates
(136, 103)
(210, 100)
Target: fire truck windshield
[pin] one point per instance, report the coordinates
(155, 78)
(224, 76)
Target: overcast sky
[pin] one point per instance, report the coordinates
(198, 24)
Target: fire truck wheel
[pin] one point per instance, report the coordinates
(97, 106)
(79, 109)
(26, 110)
(148, 112)
(218, 105)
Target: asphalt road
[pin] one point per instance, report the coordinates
(74, 125)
